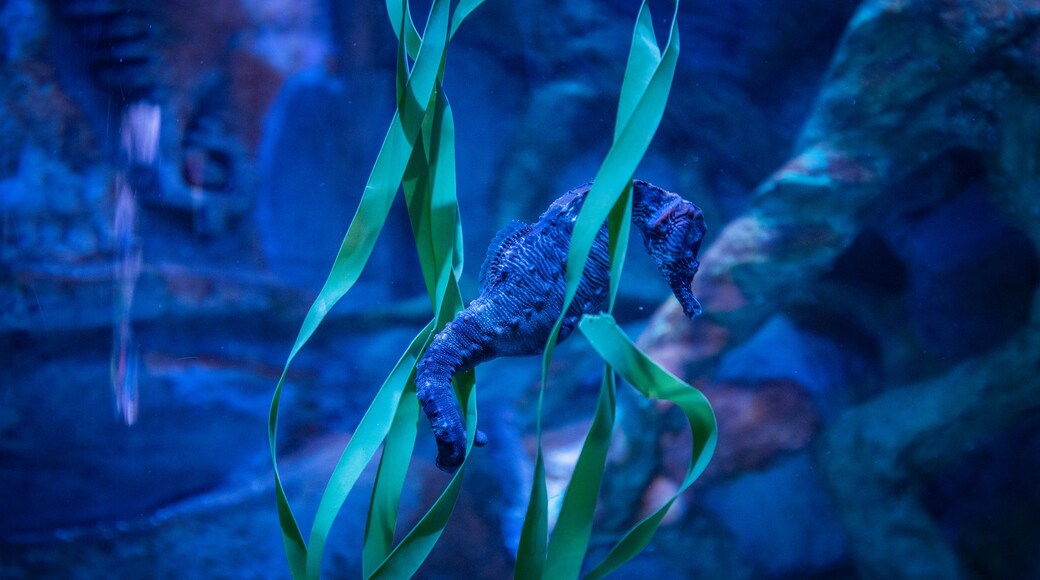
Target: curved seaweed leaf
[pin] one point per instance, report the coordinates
(418, 156)
(417, 89)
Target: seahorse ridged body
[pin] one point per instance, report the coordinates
(522, 285)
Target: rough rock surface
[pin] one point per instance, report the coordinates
(884, 447)
(928, 112)
(883, 113)
(794, 528)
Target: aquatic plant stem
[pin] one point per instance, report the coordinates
(386, 176)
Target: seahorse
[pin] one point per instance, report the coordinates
(522, 286)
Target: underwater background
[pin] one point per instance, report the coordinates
(176, 177)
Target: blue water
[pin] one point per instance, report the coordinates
(175, 181)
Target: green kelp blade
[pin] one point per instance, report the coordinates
(445, 224)
(399, 13)
(435, 244)
(393, 468)
(353, 254)
(619, 226)
(417, 192)
(643, 58)
(433, 207)
(570, 539)
(386, 176)
(614, 176)
(401, 18)
(386, 492)
(656, 383)
(444, 241)
(531, 553)
(644, 110)
(413, 549)
(359, 241)
(433, 203)
(401, 78)
(464, 9)
(364, 443)
(400, 441)
(623, 157)
(292, 538)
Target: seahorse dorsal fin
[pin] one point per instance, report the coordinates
(504, 240)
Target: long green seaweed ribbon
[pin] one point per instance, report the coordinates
(647, 82)
(418, 156)
(387, 416)
(653, 382)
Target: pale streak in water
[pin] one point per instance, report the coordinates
(139, 139)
